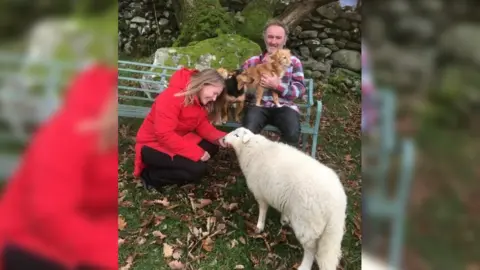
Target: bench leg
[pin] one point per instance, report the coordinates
(304, 142)
(398, 226)
(314, 144)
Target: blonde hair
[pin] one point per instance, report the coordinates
(197, 81)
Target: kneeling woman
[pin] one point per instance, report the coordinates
(176, 137)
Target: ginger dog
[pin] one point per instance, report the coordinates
(232, 94)
(277, 65)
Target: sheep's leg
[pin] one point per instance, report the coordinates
(309, 249)
(262, 215)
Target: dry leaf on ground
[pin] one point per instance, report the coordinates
(176, 265)
(177, 254)
(207, 244)
(202, 203)
(129, 263)
(163, 202)
(121, 223)
(159, 234)
(167, 250)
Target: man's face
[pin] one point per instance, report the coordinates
(274, 38)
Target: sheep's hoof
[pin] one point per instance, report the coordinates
(258, 230)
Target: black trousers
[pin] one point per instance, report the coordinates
(161, 170)
(284, 118)
(17, 258)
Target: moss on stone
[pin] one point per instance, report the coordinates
(207, 19)
(97, 35)
(229, 51)
(256, 14)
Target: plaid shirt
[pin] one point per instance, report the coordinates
(369, 109)
(291, 87)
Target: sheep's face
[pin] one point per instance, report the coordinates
(238, 136)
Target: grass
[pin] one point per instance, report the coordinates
(210, 226)
(443, 224)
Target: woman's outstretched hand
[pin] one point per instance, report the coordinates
(205, 157)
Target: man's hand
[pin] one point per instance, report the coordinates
(223, 144)
(270, 82)
(205, 157)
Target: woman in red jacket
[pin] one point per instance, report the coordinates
(177, 138)
(59, 210)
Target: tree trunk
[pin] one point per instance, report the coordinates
(256, 14)
(297, 12)
(201, 19)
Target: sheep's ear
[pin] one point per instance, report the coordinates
(247, 135)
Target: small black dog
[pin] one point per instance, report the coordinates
(231, 95)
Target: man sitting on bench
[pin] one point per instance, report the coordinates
(290, 87)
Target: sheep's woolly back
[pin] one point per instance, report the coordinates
(292, 182)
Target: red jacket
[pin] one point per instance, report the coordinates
(173, 128)
(61, 203)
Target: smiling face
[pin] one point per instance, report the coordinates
(209, 93)
(275, 38)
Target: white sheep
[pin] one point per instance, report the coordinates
(308, 194)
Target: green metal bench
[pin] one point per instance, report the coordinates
(27, 98)
(139, 83)
(379, 204)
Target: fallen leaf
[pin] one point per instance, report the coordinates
(129, 263)
(173, 206)
(232, 206)
(141, 240)
(159, 219)
(254, 260)
(167, 250)
(176, 265)
(126, 204)
(221, 226)
(121, 241)
(207, 244)
(159, 234)
(163, 202)
(121, 223)
(217, 213)
(177, 254)
(233, 243)
(202, 203)
(242, 240)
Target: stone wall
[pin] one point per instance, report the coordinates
(329, 37)
(145, 25)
